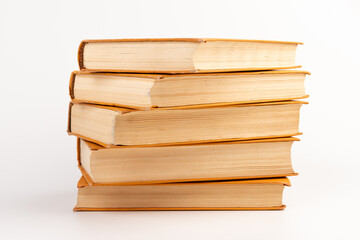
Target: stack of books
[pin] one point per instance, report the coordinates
(185, 124)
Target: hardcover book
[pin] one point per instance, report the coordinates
(199, 162)
(261, 194)
(147, 91)
(184, 55)
(118, 126)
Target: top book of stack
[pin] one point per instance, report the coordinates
(190, 55)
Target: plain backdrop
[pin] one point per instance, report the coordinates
(38, 51)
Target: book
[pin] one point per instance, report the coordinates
(184, 55)
(119, 126)
(261, 194)
(146, 91)
(199, 162)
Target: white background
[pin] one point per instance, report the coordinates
(38, 50)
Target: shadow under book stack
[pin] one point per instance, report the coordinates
(185, 124)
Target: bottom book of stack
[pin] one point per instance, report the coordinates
(258, 194)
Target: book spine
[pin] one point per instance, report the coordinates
(69, 118)
(71, 85)
(81, 54)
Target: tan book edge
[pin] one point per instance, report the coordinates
(283, 181)
(94, 146)
(198, 40)
(183, 143)
(84, 209)
(159, 76)
(201, 40)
